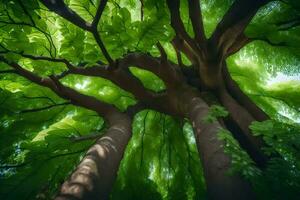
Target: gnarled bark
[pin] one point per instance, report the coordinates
(96, 173)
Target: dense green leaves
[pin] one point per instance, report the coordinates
(37, 128)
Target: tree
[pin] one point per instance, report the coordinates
(94, 71)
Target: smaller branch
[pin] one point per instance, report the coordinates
(178, 55)
(243, 40)
(266, 40)
(33, 25)
(60, 8)
(142, 9)
(96, 35)
(26, 12)
(103, 49)
(98, 14)
(39, 97)
(44, 108)
(162, 52)
(59, 60)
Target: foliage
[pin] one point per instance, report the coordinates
(281, 177)
(215, 111)
(37, 127)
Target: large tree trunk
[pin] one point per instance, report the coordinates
(95, 175)
(215, 162)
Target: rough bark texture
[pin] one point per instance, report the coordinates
(96, 173)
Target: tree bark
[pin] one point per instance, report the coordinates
(239, 121)
(215, 162)
(241, 97)
(95, 175)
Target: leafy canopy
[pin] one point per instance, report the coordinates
(37, 127)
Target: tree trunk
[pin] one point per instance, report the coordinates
(95, 175)
(239, 121)
(215, 162)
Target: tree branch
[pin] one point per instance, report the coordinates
(26, 12)
(241, 41)
(33, 25)
(196, 18)
(103, 48)
(60, 8)
(234, 23)
(177, 24)
(241, 97)
(65, 92)
(99, 13)
(181, 45)
(43, 108)
(122, 77)
(96, 35)
(59, 60)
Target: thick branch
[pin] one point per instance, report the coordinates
(242, 98)
(166, 70)
(177, 24)
(182, 46)
(241, 41)
(196, 18)
(122, 77)
(60, 8)
(234, 23)
(239, 121)
(65, 92)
